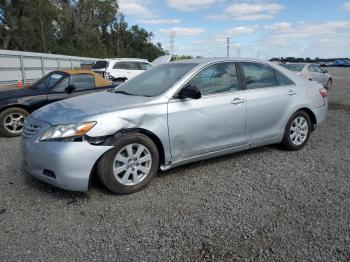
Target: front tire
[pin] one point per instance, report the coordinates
(297, 131)
(130, 165)
(12, 121)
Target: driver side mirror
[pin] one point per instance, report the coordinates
(325, 71)
(70, 88)
(189, 91)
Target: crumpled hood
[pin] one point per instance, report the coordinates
(78, 108)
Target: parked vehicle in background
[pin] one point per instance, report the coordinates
(100, 67)
(123, 69)
(17, 104)
(341, 63)
(311, 72)
(170, 115)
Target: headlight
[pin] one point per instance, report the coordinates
(62, 132)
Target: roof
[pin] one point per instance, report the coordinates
(77, 71)
(202, 61)
(124, 59)
(99, 80)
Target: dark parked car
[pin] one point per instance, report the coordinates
(16, 105)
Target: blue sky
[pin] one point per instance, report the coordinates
(256, 28)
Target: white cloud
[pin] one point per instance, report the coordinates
(240, 30)
(248, 11)
(215, 44)
(183, 31)
(189, 5)
(159, 21)
(346, 6)
(309, 40)
(278, 26)
(134, 8)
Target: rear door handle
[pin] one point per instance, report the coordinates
(237, 101)
(291, 93)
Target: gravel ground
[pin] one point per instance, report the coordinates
(263, 204)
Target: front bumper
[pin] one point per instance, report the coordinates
(68, 163)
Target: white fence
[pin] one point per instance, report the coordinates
(29, 66)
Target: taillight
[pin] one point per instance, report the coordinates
(323, 92)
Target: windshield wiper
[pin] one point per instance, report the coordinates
(126, 93)
(123, 92)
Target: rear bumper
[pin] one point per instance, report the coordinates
(321, 114)
(66, 165)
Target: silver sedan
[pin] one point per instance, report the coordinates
(311, 72)
(170, 115)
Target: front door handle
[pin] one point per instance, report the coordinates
(237, 101)
(291, 93)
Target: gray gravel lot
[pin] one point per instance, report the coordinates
(263, 204)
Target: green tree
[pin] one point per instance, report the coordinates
(73, 27)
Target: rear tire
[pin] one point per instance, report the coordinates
(130, 165)
(12, 121)
(329, 84)
(297, 131)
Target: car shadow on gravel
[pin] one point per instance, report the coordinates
(219, 160)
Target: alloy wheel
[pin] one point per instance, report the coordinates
(299, 130)
(14, 123)
(132, 164)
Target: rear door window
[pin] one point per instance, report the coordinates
(120, 65)
(82, 81)
(259, 75)
(134, 66)
(282, 80)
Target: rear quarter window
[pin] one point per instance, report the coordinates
(82, 81)
(282, 80)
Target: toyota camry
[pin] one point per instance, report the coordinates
(170, 115)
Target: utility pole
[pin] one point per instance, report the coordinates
(238, 52)
(172, 42)
(228, 47)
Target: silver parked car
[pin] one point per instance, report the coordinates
(311, 72)
(168, 116)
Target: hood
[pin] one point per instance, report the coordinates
(78, 108)
(17, 93)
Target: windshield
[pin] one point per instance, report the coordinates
(294, 67)
(155, 81)
(100, 65)
(48, 81)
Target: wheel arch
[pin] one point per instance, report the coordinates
(311, 115)
(25, 107)
(145, 132)
(109, 140)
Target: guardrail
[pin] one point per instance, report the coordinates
(29, 66)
